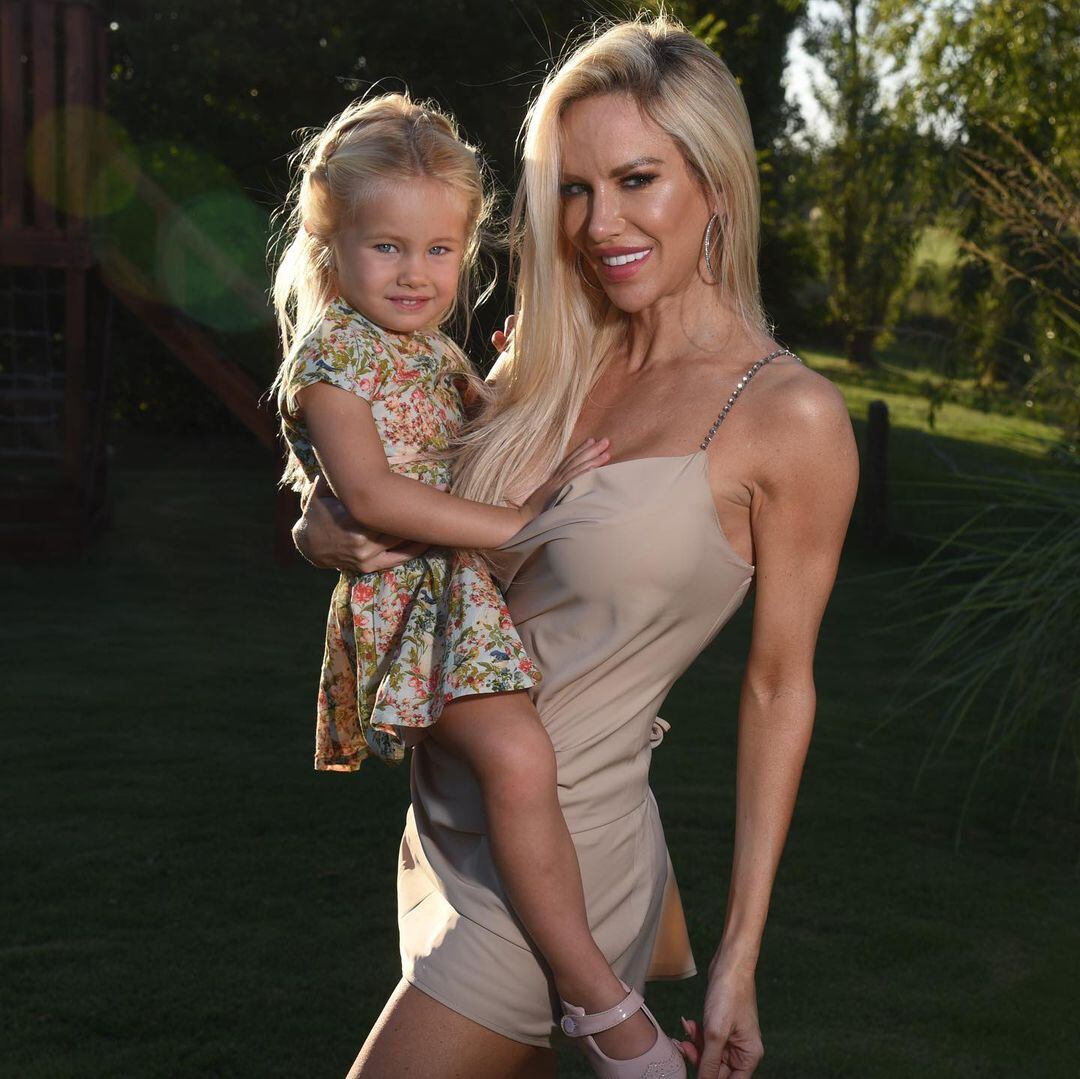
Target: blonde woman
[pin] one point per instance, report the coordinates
(734, 466)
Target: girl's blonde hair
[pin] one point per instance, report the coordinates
(565, 330)
(367, 146)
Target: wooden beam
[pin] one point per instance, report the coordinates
(193, 348)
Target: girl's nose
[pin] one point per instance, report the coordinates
(412, 272)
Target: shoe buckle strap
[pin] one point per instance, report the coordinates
(579, 1026)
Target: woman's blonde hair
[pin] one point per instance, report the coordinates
(370, 144)
(565, 330)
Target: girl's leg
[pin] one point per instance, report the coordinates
(501, 738)
(417, 1036)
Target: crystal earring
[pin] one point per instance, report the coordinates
(714, 223)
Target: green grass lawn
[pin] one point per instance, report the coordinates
(183, 896)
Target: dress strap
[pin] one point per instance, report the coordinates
(739, 389)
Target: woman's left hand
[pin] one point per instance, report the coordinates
(727, 1045)
(329, 538)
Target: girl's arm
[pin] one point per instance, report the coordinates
(799, 517)
(352, 458)
(329, 538)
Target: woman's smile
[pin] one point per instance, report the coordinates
(621, 263)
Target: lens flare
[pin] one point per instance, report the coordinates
(81, 161)
(210, 260)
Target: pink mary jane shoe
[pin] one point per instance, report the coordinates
(662, 1061)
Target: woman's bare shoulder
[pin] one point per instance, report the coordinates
(809, 423)
(805, 398)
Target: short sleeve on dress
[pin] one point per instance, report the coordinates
(336, 354)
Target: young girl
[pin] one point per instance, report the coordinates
(387, 216)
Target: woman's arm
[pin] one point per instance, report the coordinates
(799, 517)
(352, 458)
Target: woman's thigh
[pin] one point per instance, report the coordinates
(417, 1036)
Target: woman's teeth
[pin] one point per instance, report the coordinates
(622, 260)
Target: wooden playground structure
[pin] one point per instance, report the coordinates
(57, 286)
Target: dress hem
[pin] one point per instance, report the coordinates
(416, 983)
(672, 977)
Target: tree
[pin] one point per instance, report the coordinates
(987, 69)
(870, 177)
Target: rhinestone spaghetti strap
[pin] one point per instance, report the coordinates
(739, 389)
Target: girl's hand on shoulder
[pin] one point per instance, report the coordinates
(727, 1045)
(592, 453)
(329, 538)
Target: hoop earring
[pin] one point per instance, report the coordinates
(714, 222)
(583, 275)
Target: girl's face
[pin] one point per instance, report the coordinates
(630, 204)
(399, 262)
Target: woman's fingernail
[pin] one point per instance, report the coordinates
(685, 1024)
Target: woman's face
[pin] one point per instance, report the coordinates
(630, 204)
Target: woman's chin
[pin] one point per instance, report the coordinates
(631, 297)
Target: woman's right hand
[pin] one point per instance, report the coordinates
(592, 453)
(329, 538)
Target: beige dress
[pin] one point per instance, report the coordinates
(615, 589)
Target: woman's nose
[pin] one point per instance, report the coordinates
(605, 220)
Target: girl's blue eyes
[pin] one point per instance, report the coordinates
(389, 249)
(634, 181)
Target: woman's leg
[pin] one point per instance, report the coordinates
(501, 738)
(417, 1036)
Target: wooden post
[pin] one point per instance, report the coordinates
(12, 113)
(875, 495)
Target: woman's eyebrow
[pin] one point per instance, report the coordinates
(619, 170)
(637, 163)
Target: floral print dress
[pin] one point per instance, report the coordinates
(402, 642)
